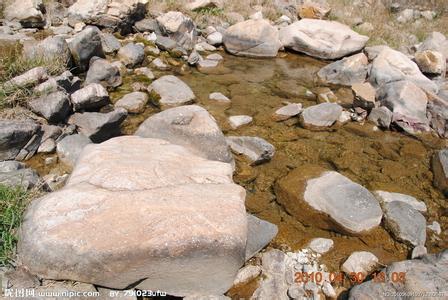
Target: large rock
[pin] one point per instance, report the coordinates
(54, 107)
(172, 91)
(259, 235)
(254, 38)
(70, 147)
(178, 27)
(405, 223)
(102, 71)
(189, 126)
(408, 104)
(14, 135)
(348, 71)
(54, 49)
(435, 41)
(320, 116)
(99, 126)
(27, 12)
(391, 65)
(431, 62)
(440, 170)
(256, 149)
(322, 39)
(85, 45)
(131, 55)
(426, 276)
(328, 200)
(126, 190)
(91, 97)
(15, 174)
(387, 197)
(115, 14)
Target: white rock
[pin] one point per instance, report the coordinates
(246, 274)
(360, 261)
(172, 91)
(238, 121)
(219, 97)
(435, 226)
(383, 196)
(321, 245)
(287, 111)
(419, 252)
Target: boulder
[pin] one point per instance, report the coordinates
(259, 235)
(440, 170)
(66, 81)
(405, 223)
(172, 91)
(189, 126)
(328, 200)
(391, 65)
(136, 182)
(360, 262)
(387, 197)
(287, 111)
(238, 121)
(320, 116)
(348, 71)
(85, 45)
(408, 104)
(53, 49)
(70, 147)
(322, 39)
(256, 149)
(431, 62)
(14, 135)
(428, 276)
(54, 107)
(91, 97)
(103, 72)
(178, 27)
(15, 174)
(253, 38)
(134, 102)
(99, 127)
(28, 12)
(131, 55)
(381, 117)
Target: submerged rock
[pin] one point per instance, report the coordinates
(440, 170)
(287, 111)
(322, 39)
(256, 149)
(136, 182)
(172, 91)
(238, 121)
(348, 71)
(321, 115)
(189, 126)
(254, 38)
(219, 97)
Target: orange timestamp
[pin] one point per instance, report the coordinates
(354, 277)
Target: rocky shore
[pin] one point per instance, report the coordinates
(225, 158)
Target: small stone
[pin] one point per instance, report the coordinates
(49, 146)
(247, 274)
(145, 72)
(134, 102)
(381, 117)
(321, 245)
(219, 97)
(154, 51)
(215, 56)
(159, 64)
(207, 63)
(238, 121)
(328, 290)
(50, 160)
(360, 261)
(91, 97)
(321, 115)
(364, 95)
(435, 226)
(431, 62)
(131, 55)
(257, 149)
(287, 112)
(215, 38)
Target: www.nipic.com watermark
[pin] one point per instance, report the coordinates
(416, 294)
(28, 293)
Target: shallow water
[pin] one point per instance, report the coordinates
(389, 161)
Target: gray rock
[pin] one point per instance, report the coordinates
(70, 148)
(29, 78)
(48, 146)
(419, 252)
(381, 117)
(435, 41)
(365, 95)
(427, 275)
(437, 112)
(215, 38)
(53, 49)
(103, 72)
(178, 27)
(85, 45)
(431, 62)
(66, 81)
(348, 71)
(172, 91)
(145, 72)
(165, 43)
(440, 170)
(386, 197)
(256, 149)
(435, 226)
(194, 58)
(260, 234)
(405, 223)
(238, 121)
(11, 165)
(91, 97)
(147, 25)
(159, 65)
(110, 43)
(54, 107)
(99, 127)
(131, 55)
(189, 126)
(287, 111)
(207, 63)
(14, 135)
(219, 97)
(28, 12)
(321, 245)
(360, 262)
(408, 104)
(134, 102)
(253, 38)
(321, 115)
(15, 174)
(247, 274)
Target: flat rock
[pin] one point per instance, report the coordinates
(440, 170)
(91, 97)
(219, 97)
(99, 127)
(348, 71)
(253, 38)
(14, 135)
(147, 25)
(103, 72)
(321, 115)
(165, 43)
(328, 200)
(260, 233)
(238, 121)
(190, 126)
(360, 262)
(54, 107)
(256, 149)
(322, 39)
(288, 111)
(387, 197)
(172, 91)
(131, 55)
(134, 102)
(85, 45)
(70, 147)
(365, 95)
(135, 182)
(405, 223)
(321, 245)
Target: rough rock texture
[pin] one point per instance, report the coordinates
(70, 147)
(387, 197)
(408, 104)
(391, 65)
(348, 71)
(172, 91)
(29, 78)
(13, 174)
(313, 9)
(431, 62)
(254, 38)
(435, 41)
(321, 245)
(405, 223)
(54, 107)
(328, 200)
(424, 276)
(27, 12)
(360, 262)
(131, 55)
(219, 97)
(238, 121)
(179, 28)
(381, 117)
(66, 81)
(110, 43)
(321, 115)
(85, 45)
(103, 72)
(256, 149)
(440, 170)
(91, 97)
(189, 126)
(322, 39)
(134, 102)
(99, 126)
(259, 234)
(53, 48)
(287, 111)
(126, 188)
(14, 135)
(365, 95)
